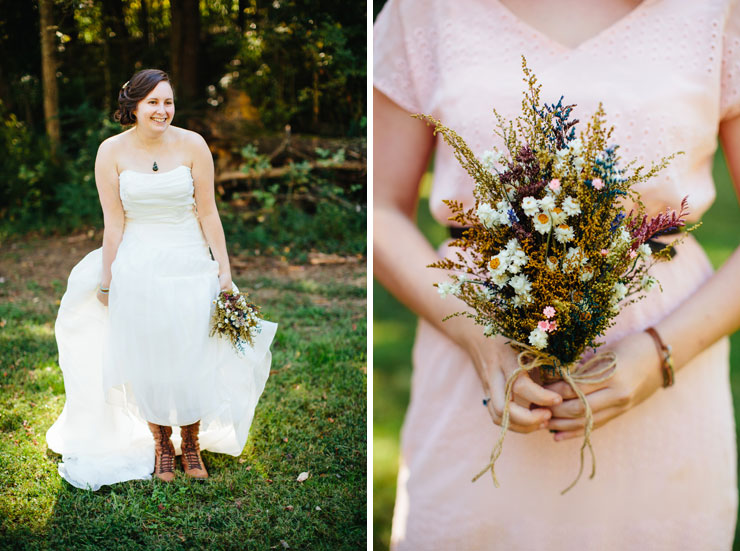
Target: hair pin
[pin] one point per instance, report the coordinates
(125, 84)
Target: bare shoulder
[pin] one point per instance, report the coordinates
(191, 140)
(110, 148)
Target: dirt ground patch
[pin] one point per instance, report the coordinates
(36, 268)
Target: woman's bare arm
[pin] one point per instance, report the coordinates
(205, 201)
(106, 180)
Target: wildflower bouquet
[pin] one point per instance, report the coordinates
(550, 256)
(235, 319)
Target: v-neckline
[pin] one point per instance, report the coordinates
(531, 29)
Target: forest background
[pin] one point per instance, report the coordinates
(276, 88)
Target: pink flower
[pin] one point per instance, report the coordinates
(597, 183)
(547, 326)
(604, 252)
(633, 254)
(549, 311)
(554, 184)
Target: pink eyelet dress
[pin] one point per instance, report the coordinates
(667, 74)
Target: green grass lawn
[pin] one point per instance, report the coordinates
(393, 334)
(312, 417)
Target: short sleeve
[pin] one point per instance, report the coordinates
(730, 83)
(398, 48)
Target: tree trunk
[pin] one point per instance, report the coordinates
(315, 99)
(241, 19)
(185, 48)
(49, 75)
(144, 23)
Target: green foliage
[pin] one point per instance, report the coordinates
(305, 67)
(302, 210)
(43, 195)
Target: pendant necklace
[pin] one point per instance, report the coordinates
(155, 168)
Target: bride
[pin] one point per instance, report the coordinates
(133, 325)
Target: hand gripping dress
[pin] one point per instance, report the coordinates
(148, 355)
(667, 74)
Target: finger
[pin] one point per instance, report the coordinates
(567, 393)
(528, 420)
(575, 408)
(530, 391)
(599, 420)
(524, 419)
(516, 427)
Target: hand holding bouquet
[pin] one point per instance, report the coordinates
(235, 319)
(550, 255)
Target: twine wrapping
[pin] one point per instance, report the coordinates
(595, 370)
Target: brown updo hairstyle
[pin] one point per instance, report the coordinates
(136, 90)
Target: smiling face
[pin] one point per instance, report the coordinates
(157, 109)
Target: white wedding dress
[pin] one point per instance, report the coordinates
(148, 356)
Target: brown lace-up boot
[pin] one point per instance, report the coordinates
(164, 452)
(192, 463)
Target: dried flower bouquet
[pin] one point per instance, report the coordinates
(235, 319)
(550, 255)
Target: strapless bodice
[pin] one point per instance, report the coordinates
(165, 197)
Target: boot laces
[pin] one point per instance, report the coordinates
(166, 457)
(191, 451)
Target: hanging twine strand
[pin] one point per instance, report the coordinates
(595, 370)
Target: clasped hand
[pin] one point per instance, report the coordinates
(556, 407)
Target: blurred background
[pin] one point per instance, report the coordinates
(394, 328)
(276, 88)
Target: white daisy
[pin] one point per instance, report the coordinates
(498, 264)
(547, 203)
(575, 146)
(487, 215)
(564, 233)
(571, 206)
(587, 274)
(445, 288)
(644, 251)
(620, 291)
(529, 206)
(558, 216)
(542, 223)
(538, 338)
(516, 256)
(500, 279)
(520, 284)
